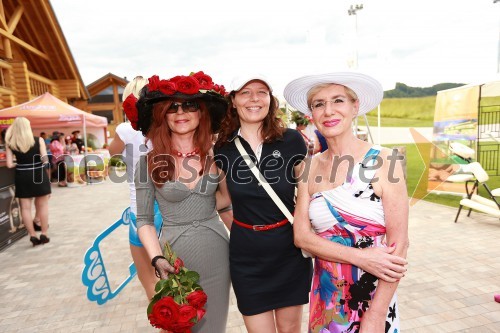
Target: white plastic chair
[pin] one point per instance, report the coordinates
(475, 201)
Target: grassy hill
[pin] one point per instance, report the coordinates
(404, 112)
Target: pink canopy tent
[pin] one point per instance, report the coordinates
(49, 113)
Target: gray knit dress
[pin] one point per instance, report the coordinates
(191, 225)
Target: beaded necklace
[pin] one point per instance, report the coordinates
(196, 151)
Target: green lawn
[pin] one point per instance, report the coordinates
(394, 122)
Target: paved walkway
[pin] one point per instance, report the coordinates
(453, 273)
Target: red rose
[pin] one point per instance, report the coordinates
(167, 87)
(220, 89)
(164, 314)
(154, 83)
(200, 313)
(187, 313)
(178, 264)
(188, 85)
(187, 319)
(204, 80)
(197, 299)
(130, 109)
(176, 79)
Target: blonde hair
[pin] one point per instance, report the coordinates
(134, 87)
(314, 90)
(19, 135)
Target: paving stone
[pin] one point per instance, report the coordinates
(453, 272)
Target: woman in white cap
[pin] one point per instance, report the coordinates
(354, 195)
(271, 279)
(179, 116)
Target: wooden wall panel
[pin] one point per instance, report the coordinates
(20, 82)
(68, 88)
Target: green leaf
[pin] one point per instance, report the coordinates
(150, 308)
(193, 276)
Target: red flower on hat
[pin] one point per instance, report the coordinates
(154, 83)
(129, 106)
(187, 85)
(220, 89)
(204, 80)
(167, 87)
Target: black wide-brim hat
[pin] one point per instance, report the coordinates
(214, 99)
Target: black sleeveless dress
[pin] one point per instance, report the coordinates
(267, 271)
(31, 178)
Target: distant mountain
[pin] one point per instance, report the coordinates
(402, 90)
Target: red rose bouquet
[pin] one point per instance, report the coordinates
(179, 300)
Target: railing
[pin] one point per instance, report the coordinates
(39, 85)
(489, 154)
(489, 121)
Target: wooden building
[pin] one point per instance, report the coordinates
(106, 100)
(34, 55)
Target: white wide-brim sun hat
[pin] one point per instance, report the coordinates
(240, 81)
(369, 91)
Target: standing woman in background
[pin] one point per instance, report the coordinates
(32, 179)
(130, 144)
(58, 148)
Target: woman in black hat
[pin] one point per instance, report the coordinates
(178, 117)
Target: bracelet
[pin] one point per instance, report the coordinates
(155, 259)
(225, 209)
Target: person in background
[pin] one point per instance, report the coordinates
(76, 138)
(130, 144)
(58, 148)
(179, 116)
(270, 277)
(355, 200)
(302, 122)
(31, 179)
(323, 145)
(2, 139)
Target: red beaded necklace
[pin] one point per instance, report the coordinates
(196, 151)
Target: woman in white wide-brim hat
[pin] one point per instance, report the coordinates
(354, 195)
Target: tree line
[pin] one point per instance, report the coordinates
(402, 90)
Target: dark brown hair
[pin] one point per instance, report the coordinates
(272, 126)
(161, 162)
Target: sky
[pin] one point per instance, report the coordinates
(418, 43)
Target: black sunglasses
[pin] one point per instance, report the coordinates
(187, 106)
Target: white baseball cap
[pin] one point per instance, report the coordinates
(240, 81)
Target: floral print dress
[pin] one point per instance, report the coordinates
(352, 215)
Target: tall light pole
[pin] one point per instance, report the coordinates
(498, 59)
(352, 11)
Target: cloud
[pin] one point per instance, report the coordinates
(418, 43)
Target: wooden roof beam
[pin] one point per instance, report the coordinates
(21, 43)
(14, 20)
(3, 22)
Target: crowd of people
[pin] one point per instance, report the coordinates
(312, 218)
(188, 138)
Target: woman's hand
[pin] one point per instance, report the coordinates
(380, 262)
(163, 268)
(372, 322)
